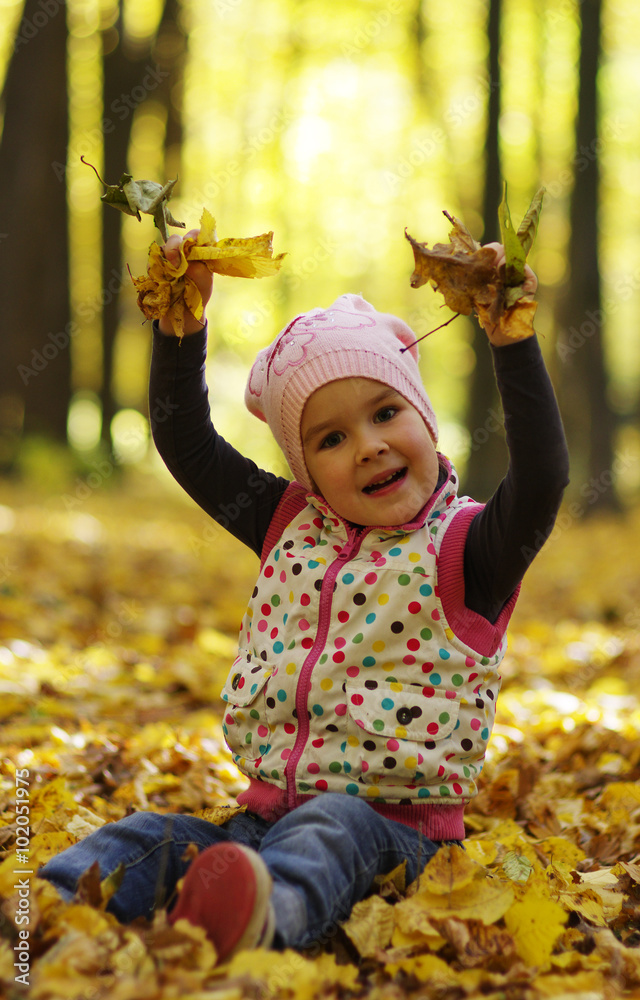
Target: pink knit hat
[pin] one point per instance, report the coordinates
(350, 339)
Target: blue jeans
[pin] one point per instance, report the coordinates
(323, 858)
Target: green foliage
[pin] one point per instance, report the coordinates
(518, 243)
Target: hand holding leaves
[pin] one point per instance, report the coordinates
(475, 278)
(167, 289)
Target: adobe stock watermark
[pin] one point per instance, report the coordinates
(561, 11)
(23, 872)
(224, 7)
(371, 30)
(493, 424)
(293, 278)
(121, 107)
(102, 469)
(602, 655)
(126, 614)
(459, 111)
(233, 167)
(591, 491)
(583, 157)
(623, 289)
(228, 513)
(57, 342)
(30, 27)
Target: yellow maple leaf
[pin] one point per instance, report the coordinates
(410, 939)
(535, 923)
(370, 925)
(486, 899)
(587, 903)
(291, 972)
(448, 870)
(413, 926)
(618, 802)
(220, 814)
(165, 290)
(602, 883)
(481, 850)
(48, 798)
(426, 968)
(561, 851)
(84, 918)
(42, 847)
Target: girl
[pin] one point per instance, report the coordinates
(362, 698)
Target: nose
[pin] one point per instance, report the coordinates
(370, 445)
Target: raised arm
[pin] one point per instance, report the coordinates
(230, 487)
(505, 536)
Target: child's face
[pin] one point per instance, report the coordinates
(368, 452)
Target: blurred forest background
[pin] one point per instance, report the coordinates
(336, 125)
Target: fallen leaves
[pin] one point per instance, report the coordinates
(114, 644)
(535, 923)
(166, 289)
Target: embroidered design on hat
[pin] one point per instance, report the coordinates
(256, 379)
(335, 319)
(290, 351)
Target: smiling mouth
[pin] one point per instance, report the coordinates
(381, 484)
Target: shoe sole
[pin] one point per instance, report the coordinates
(261, 927)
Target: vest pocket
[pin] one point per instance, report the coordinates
(390, 728)
(245, 723)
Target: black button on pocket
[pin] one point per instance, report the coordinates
(236, 681)
(404, 716)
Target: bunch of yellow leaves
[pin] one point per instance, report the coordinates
(166, 290)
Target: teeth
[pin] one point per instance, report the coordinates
(382, 482)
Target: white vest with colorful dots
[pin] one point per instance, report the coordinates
(351, 675)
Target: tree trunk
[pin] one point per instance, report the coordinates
(35, 320)
(130, 76)
(122, 74)
(488, 455)
(589, 419)
(170, 53)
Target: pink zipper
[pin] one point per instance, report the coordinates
(350, 549)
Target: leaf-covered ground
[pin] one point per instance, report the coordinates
(117, 620)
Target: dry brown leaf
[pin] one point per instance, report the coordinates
(465, 273)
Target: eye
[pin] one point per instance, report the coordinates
(385, 414)
(332, 439)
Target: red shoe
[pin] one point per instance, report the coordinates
(227, 891)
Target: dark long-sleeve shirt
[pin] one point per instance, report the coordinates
(502, 539)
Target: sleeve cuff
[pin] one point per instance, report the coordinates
(188, 346)
(520, 354)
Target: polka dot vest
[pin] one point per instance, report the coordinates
(349, 677)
